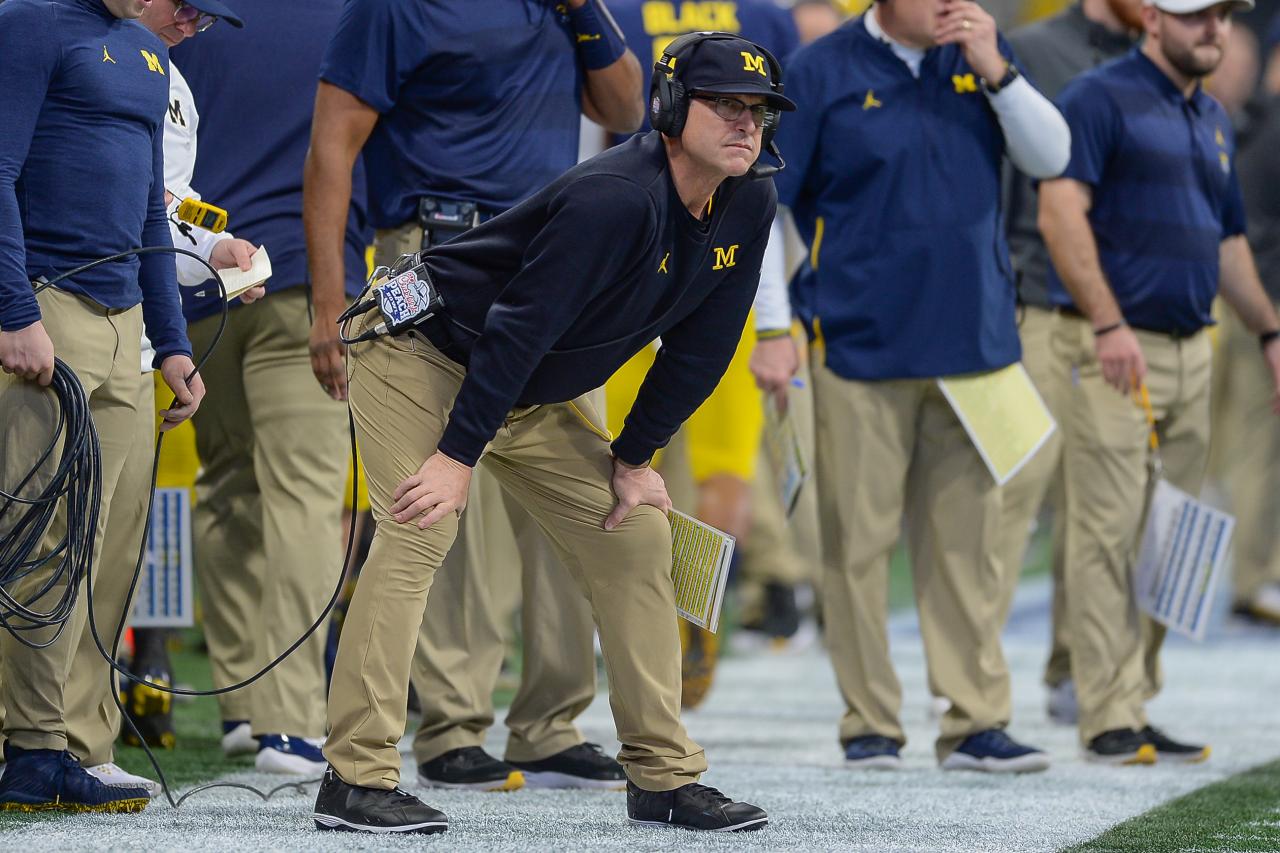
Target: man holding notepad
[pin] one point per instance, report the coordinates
(905, 117)
(1144, 228)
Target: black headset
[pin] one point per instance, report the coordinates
(669, 100)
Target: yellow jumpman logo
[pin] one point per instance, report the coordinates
(106, 57)
(662, 267)
(870, 100)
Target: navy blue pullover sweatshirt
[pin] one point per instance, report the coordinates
(546, 301)
(81, 163)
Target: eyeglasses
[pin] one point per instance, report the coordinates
(185, 13)
(730, 109)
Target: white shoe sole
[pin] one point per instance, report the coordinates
(552, 779)
(239, 741)
(759, 822)
(875, 762)
(513, 782)
(331, 822)
(275, 761)
(1033, 763)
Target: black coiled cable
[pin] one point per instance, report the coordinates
(76, 476)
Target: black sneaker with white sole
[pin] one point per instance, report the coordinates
(351, 808)
(1168, 749)
(581, 766)
(692, 806)
(469, 768)
(1120, 746)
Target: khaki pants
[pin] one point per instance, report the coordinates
(103, 347)
(461, 645)
(1115, 650)
(1249, 448)
(1026, 492)
(884, 447)
(556, 461)
(274, 452)
(93, 721)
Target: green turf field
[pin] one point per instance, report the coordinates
(1240, 814)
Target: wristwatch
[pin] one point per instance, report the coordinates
(1267, 337)
(1010, 74)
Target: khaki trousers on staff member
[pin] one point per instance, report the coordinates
(1249, 443)
(1114, 650)
(273, 450)
(461, 645)
(93, 721)
(883, 447)
(1026, 492)
(103, 347)
(556, 461)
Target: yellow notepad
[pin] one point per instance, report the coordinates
(782, 448)
(700, 557)
(1004, 415)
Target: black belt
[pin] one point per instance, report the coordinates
(1176, 334)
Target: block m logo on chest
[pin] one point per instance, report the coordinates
(725, 257)
(153, 62)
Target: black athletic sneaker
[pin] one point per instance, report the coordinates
(581, 766)
(350, 808)
(1168, 749)
(469, 767)
(1120, 746)
(692, 806)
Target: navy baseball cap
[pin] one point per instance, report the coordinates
(730, 66)
(219, 10)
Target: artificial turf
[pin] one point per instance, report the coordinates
(1240, 814)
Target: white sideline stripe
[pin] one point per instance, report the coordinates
(552, 779)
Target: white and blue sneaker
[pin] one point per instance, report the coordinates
(296, 756)
(993, 751)
(874, 752)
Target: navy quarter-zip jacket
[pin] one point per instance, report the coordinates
(546, 301)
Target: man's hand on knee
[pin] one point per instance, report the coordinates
(633, 487)
(439, 488)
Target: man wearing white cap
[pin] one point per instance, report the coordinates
(1144, 228)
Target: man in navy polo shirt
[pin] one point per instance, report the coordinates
(81, 177)
(465, 108)
(893, 176)
(273, 447)
(1144, 228)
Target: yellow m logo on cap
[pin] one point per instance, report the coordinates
(153, 62)
(753, 62)
(964, 83)
(725, 257)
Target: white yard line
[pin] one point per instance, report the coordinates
(770, 734)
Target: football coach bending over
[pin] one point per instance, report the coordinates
(662, 236)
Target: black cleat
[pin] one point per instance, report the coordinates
(581, 766)
(692, 806)
(1168, 749)
(350, 808)
(469, 767)
(1120, 746)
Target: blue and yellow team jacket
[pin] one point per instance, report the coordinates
(895, 186)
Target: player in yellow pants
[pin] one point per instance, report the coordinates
(723, 440)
